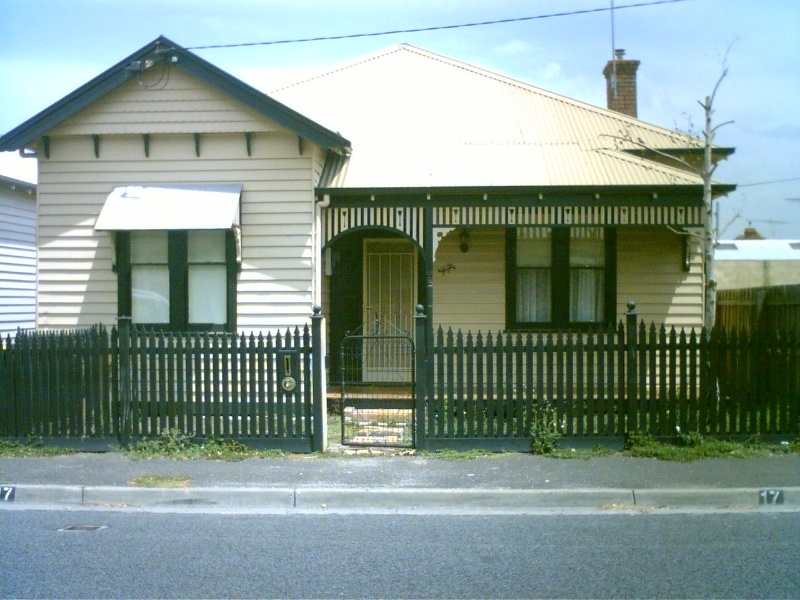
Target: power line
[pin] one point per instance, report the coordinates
(436, 28)
(741, 185)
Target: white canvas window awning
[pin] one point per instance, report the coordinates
(150, 207)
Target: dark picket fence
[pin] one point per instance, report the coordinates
(94, 385)
(57, 385)
(486, 390)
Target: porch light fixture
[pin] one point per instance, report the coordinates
(464, 240)
(687, 254)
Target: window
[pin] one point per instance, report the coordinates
(560, 277)
(181, 280)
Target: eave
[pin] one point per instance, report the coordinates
(675, 195)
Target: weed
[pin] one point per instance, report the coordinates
(544, 429)
(173, 444)
(170, 443)
(689, 440)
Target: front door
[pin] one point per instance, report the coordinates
(390, 291)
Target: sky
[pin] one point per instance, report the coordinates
(51, 47)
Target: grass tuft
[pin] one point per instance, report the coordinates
(32, 447)
(584, 453)
(450, 454)
(693, 446)
(161, 481)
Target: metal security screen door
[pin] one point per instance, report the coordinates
(390, 290)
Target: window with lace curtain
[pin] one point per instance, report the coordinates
(560, 276)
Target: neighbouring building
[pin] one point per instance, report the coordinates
(17, 255)
(758, 284)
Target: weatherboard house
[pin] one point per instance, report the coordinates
(17, 255)
(175, 193)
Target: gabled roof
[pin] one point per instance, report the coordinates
(418, 119)
(158, 50)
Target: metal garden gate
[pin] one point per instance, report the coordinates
(378, 390)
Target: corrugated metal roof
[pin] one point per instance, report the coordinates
(757, 250)
(418, 119)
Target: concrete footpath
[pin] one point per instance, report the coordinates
(403, 484)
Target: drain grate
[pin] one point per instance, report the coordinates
(83, 527)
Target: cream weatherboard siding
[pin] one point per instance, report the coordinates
(469, 288)
(650, 273)
(17, 257)
(78, 286)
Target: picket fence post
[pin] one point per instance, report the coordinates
(319, 399)
(631, 374)
(125, 380)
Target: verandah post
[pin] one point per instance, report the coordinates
(631, 342)
(319, 398)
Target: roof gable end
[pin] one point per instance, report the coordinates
(159, 50)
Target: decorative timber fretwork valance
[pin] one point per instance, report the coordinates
(410, 220)
(567, 215)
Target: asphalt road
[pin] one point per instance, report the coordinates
(621, 555)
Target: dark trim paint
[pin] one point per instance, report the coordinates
(560, 283)
(177, 249)
(687, 196)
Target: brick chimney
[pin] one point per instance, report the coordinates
(621, 84)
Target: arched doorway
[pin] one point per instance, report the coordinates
(374, 288)
(376, 280)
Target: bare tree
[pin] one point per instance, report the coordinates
(709, 234)
(705, 170)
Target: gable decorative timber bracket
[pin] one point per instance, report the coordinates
(197, 144)
(146, 142)
(248, 141)
(46, 145)
(96, 142)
